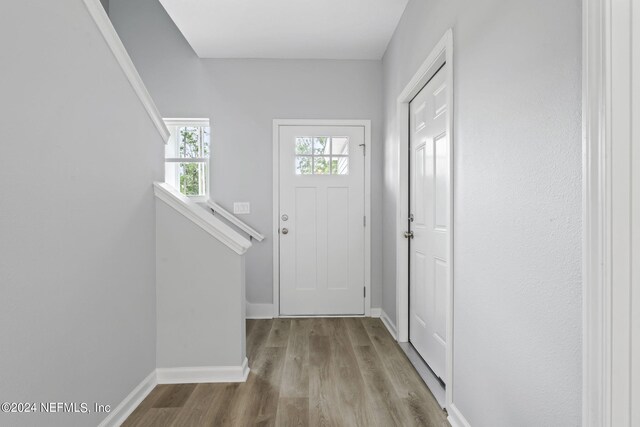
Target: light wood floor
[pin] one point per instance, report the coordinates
(305, 372)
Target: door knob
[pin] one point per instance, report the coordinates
(285, 231)
(408, 234)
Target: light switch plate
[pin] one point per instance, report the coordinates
(241, 208)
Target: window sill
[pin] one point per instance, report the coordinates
(198, 199)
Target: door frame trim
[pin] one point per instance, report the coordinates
(442, 53)
(610, 203)
(366, 124)
(596, 263)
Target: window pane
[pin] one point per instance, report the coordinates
(321, 145)
(339, 145)
(303, 145)
(206, 141)
(321, 166)
(193, 179)
(303, 165)
(190, 142)
(340, 165)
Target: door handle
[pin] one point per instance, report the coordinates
(285, 231)
(408, 234)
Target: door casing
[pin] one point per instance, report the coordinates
(442, 53)
(611, 202)
(277, 124)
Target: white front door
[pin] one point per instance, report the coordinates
(321, 221)
(429, 208)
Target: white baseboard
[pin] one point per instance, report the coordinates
(391, 327)
(259, 311)
(120, 413)
(204, 374)
(455, 418)
(376, 312)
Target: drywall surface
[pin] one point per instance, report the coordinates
(200, 311)
(241, 98)
(77, 219)
(517, 213)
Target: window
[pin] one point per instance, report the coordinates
(187, 156)
(322, 155)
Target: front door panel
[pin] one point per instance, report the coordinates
(321, 220)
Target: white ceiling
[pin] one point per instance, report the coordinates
(327, 29)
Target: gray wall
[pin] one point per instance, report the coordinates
(77, 233)
(242, 97)
(517, 180)
(200, 310)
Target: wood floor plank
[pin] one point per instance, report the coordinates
(257, 338)
(323, 399)
(317, 327)
(357, 332)
(295, 378)
(202, 406)
(347, 378)
(279, 335)
(174, 395)
(223, 416)
(384, 402)
(158, 417)
(293, 412)
(249, 325)
(144, 406)
(258, 397)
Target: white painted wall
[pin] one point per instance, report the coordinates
(77, 220)
(242, 97)
(200, 310)
(517, 181)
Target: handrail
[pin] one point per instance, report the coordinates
(199, 216)
(252, 232)
(99, 15)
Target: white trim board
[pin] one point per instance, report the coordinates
(99, 15)
(119, 414)
(259, 311)
(440, 55)
(611, 208)
(200, 217)
(366, 124)
(596, 393)
(388, 323)
(455, 417)
(204, 374)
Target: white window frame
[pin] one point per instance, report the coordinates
(194, 122)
